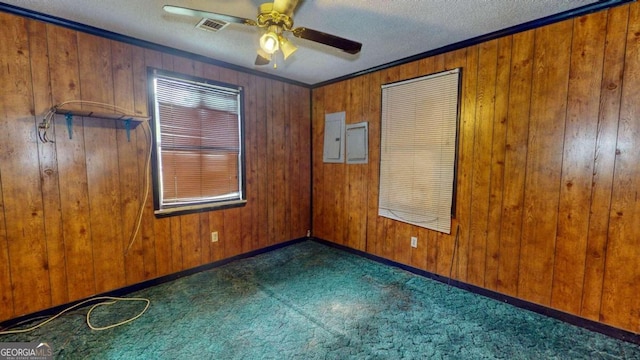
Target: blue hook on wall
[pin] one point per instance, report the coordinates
(69, 118)
(127, 127)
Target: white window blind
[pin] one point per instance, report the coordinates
(418, 150)
(198, 132)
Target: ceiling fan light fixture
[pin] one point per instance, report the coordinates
(287, 47)
(269, 42)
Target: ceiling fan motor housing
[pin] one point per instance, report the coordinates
(267, 16)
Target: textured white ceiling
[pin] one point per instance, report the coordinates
(389, 30)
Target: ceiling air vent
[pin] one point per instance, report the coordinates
(211, 25)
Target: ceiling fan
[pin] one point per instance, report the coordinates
(276, 18)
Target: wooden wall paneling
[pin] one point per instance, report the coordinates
(211, 72)
(175, 239)
(607, 131)
(317, 196)
(262, 158)
(465, 160)
(297, 156)
(496, 189)
(544, 160)
(621, 286)
(232, 217)
(205, 238)
(232, 232)
(166, 61)
(101, 154)
(387, 234)
(585, 77)
(216, 223)
(74, 193)
(443, 243)
(190, 236)
(432, 251)
(373, 173)
(515, 161)
(419, 254)
(292, 160)
(363, 184)
(402, 243)
(130, 189)
(448, 257)
(356, 187)
(481, 169)
(334, 185)
(139, 63)
(19, 154)
(184, 66)
(249, 238)
(48, 164)
(386, 229)
(302, 149)
(285, 161)
(6, 290)
(271, 161)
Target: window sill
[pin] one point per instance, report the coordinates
(196, 208)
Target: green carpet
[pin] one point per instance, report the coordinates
(311, 301)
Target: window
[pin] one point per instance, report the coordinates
(198, 157)
(418, 150)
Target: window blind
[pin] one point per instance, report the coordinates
(418, 150)
(198, 144)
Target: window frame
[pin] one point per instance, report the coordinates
(162, 209)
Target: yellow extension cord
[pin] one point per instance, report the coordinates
(111, 300)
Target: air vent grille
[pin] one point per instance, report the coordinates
(211, 25)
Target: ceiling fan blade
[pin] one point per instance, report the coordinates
(285, 6)
(346, 45)
(205, 14)
(263, 58)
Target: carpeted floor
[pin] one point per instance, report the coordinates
(311, 301)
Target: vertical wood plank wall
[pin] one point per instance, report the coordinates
(548, 168)
(67, 209)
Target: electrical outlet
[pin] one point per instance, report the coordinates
(214, 236)
(414, 242)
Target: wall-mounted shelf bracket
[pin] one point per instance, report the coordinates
(69, 117)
